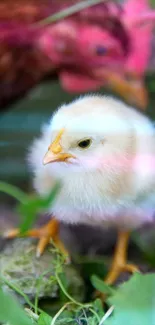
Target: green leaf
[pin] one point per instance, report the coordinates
(98, 306)
(101, 286)
(44, 319)
(32, 206)
(134, 302)
(11, 312)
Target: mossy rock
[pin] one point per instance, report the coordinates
(20, 266)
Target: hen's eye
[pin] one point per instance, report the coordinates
(84, 143)
(101, 50)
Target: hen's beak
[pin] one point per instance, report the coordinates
(55, 151)
(132, 89)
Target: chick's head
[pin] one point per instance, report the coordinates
(90, 133)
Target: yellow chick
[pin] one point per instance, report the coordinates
(102, 151)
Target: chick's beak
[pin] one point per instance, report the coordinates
(55, 151)
(51, 157)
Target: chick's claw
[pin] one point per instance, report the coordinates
(130, 268)
(43, 242)
(45, 234)
(62, 249)
(11, 233)
(116, 271)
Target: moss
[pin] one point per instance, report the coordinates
(20, 266)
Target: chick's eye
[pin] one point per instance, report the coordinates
(84, 143)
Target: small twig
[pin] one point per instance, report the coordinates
(31, 314)
(107, 314)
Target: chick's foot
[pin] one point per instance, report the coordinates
(119, 263)
(45, 234)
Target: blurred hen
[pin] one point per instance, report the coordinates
(106, 44)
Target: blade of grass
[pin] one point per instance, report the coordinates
(68, 11)
(13, 191)
(35, 205)
(101, 286)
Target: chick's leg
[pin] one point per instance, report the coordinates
(119, 263)
(45, 233)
